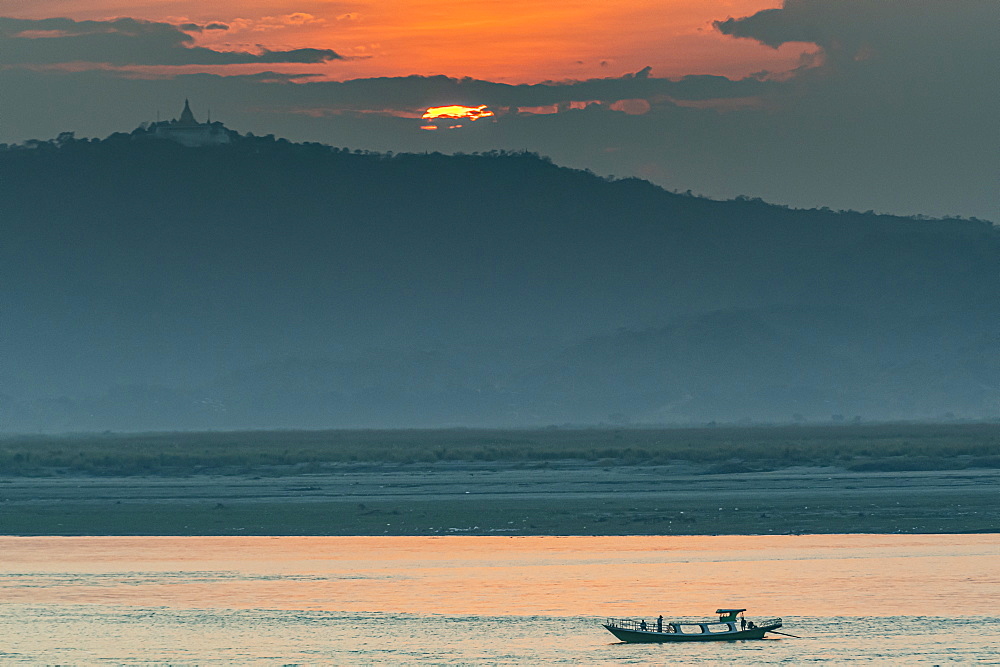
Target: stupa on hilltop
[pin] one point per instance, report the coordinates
(189, 132)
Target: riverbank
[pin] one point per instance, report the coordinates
(501, 498)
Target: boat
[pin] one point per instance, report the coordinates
(732, 625)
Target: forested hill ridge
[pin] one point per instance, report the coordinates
(266, 284)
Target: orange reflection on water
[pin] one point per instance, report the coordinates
(825, 575)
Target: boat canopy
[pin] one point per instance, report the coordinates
(728, 611)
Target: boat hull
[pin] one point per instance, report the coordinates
(653, 637)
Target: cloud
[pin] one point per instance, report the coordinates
(287, 20)
(421, 92)
(912, 81)
(195, 27)
(909, 38)
(127, 42)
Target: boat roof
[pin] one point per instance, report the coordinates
(728, 611)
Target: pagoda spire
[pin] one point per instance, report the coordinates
(187, 118)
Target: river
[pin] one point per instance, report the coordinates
(457, 600)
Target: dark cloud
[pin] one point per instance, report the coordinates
(194, 27)
(124, 42)
(414, 92)
(915, 38)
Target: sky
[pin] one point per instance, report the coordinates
(885, 105)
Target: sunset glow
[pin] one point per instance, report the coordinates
(516, 42)
(670, 90)
(457, 111)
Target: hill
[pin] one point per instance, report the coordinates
(265, 284)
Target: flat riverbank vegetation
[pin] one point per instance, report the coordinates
(719, 449)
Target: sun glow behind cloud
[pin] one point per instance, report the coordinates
(457, 111)
(446, 116)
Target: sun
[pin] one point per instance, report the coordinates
(457, 112)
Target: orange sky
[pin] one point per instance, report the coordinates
(500, 40)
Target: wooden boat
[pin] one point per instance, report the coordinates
(731, 625)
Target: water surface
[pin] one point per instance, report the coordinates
(874, 599)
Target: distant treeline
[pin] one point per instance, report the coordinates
(268, 284)
(723, 449)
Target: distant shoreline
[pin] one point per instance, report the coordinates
(876, 447)
(889, 478)
(561, 498)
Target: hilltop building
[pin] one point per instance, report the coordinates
(189, 132)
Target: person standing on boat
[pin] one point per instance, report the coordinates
(659, 623)
(743, 623)
(642, 625)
